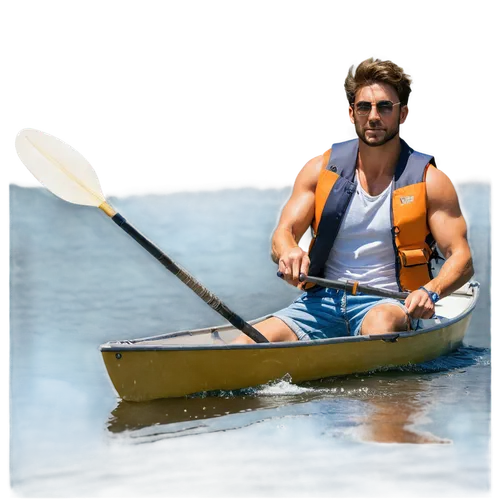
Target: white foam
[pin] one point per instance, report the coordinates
(284, 387)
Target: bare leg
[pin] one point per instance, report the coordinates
(385, 318)
(273, 329)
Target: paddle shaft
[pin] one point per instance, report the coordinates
(212, 300)
(351, 287)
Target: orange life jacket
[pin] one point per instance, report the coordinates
(414, 245)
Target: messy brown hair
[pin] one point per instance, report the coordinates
(373, 71)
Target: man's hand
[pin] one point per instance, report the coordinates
(420, 305)
(292, 263)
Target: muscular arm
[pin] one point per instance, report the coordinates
(448, 226)
(296, 217)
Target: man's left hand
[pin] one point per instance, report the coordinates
(420, 305)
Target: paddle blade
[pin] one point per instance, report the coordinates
(59, 167)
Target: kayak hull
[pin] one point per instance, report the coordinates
(183, 363)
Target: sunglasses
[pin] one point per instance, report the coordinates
(384, 108)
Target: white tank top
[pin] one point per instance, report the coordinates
(363, 250)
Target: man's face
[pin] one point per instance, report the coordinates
(379, 125)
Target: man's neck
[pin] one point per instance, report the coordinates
(381, 161)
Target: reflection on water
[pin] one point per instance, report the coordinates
(395, 416)
(393, 404)
(166, 418)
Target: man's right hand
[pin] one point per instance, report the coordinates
(292, 263)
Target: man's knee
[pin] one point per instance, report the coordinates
(384, 318)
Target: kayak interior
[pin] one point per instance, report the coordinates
(448, 310)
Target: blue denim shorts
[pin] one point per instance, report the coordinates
(324, 313)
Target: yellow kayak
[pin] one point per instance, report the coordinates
(186, 362)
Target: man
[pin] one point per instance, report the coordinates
(377, 208)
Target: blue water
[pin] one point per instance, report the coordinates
(78, 281)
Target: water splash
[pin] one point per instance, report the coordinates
(284, 387)
(287, 388)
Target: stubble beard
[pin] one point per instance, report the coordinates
(390, 135)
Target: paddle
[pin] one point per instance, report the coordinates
(351, 287)
(68, 175)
